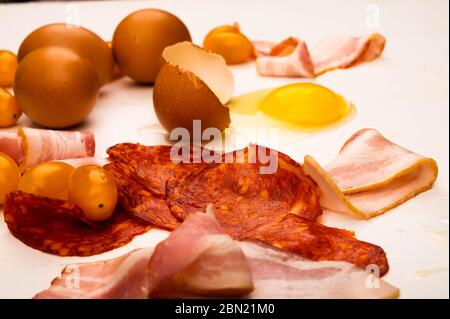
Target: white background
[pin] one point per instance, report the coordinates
(404, 95)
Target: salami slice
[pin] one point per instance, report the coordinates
(57, 227)
(141, 173)
(318, 242)
(243, 198)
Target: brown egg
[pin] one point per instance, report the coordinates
(141, 37)
(192, 85)
(55, 87)
(82, 41)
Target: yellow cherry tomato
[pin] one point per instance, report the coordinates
(229, 42)
(48, 179)
(9, 110)
(93, 189)
(8, 67)
(9, 176)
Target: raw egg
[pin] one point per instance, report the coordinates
(193, 85)
(140, 38)
(296, 110)
(55, 87)
(83, 42)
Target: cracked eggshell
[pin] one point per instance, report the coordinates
(192, 85)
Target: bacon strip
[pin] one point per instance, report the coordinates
(122, 277)
(47, 145)
(196, 259)
(31, 146)
(199, 259)
(280, 274)
(291, 57)
(371, 175)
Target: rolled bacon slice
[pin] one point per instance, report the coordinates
(371, 175)
(32, 146)
(291, 57)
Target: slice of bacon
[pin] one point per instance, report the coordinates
(196, 259)
(199, 259)
(243, 198)
(31, 146)
(291, 57)
(47, 145)
(11, 145)
(213, 264)
(59, 227)
(371, 175)
(280, 274)
(344, 51)
(318, 242)
(122, 277)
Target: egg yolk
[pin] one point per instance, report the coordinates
(48, 179)
(304, 104)
(9, 176)
(93, 189)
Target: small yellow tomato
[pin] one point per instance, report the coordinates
(9, 110)
(8, 67)
(48, 179)
(9, 176)
(93, 189)
(229, 42)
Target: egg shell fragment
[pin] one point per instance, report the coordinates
(192, 85)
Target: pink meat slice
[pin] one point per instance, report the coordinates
(329, 54)
(31, 146)
(371, 175)
(196, 259)
(280, 274)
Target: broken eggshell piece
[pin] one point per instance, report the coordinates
(193, 84)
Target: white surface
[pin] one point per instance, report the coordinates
(404, 95)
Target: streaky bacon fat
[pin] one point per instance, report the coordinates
(196, 259)
(291, 57)
(280, 274)
(371, 175)
(199, 260)
(31, 146)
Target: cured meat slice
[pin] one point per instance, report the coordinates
(344, 51)
(141, 173)
(47, 145)
(371, 175)
(318, 242)
(199, 259)
(11, 145)
(122, 277)
(280, 274)
(291, 57)
(58, 227)
(243, 198)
